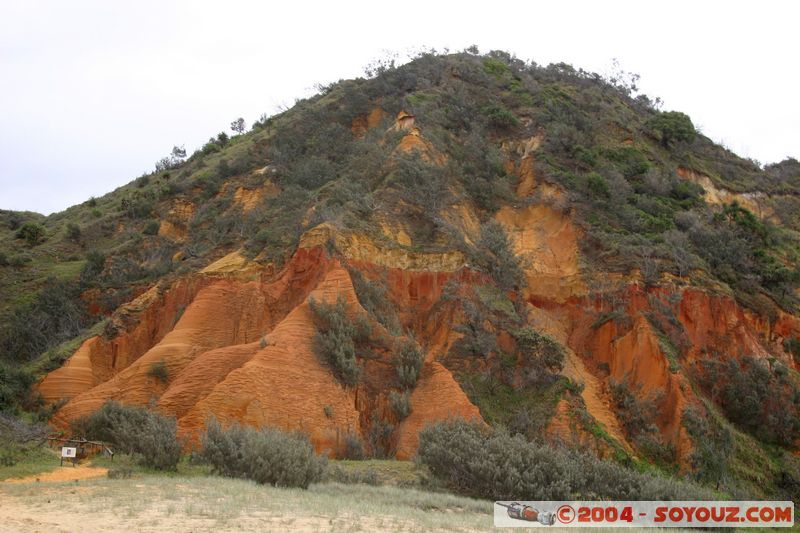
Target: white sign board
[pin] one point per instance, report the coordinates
(69, 452)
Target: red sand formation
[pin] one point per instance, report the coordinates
(207, 329)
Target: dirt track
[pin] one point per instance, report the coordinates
(63, 473)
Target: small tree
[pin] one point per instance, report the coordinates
(238, 125)
(496, 255)
(73, 232)
(337, 338)
(178, 153)
(674, 127)
(408, 363)
(32, 233)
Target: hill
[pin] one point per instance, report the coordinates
(465, 235)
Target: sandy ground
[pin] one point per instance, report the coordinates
(197, 504)
(62, 473)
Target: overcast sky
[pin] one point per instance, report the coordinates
(93, 93)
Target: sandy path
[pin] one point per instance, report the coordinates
(63, 473)
(211, 504)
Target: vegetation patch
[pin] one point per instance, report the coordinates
(267, 456)
(473, 460)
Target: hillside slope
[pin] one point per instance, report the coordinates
(464, 235)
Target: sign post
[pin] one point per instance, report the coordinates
(69, 453)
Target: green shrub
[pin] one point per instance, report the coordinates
(56, 313)
(336, 339)
(476, 461)
(408, 363)
(630, 161)
(401, 404)
(32, 233)
(3, 259)
(374, 298)
(713, 445)
(637, 416)
(497, 257)
(792, 345)
(15, 386)
(379, 438)
(673, 127)
(500, 117)
(151, 228)
(19, 260)
(267, 456)
(598, 185)
(138, 203)
(542, 357)
(135, 430)
(353, 447)
(759, 396)
(158, 370)
(94, 266)
(495, 67)
(73, 232)
(349, 476)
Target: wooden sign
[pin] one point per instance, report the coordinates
(69, 453)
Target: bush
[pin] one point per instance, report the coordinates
(336, 339)
(496, 255)
(337, 474)
(55, 314)
(353, 447)
(374, 298)
(3, 259)
(759, 396)
(32, 233)
(542, 357)
(598, 185)
(476, 461)
(267, 456)
(135, 430)
(158, 370)
(673, 127)
(151, 228)
(73, 232)
(15, 384)
(401, 404)
(792, 345)
(636, 415)
(95, 264)
(500, 117)
(408, 363)
(713, 445)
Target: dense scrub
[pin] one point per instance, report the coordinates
(150, 436)
(476, 461)
(759, 396)
(266, 455)
(338, 338)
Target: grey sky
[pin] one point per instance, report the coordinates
(93, 93)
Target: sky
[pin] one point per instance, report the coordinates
(93, 93)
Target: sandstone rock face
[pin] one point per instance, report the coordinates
(176, 223)
(242, 352)
(756, 202)
(547, 241)
(238, 340)
(133, 330)
(428, 405)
